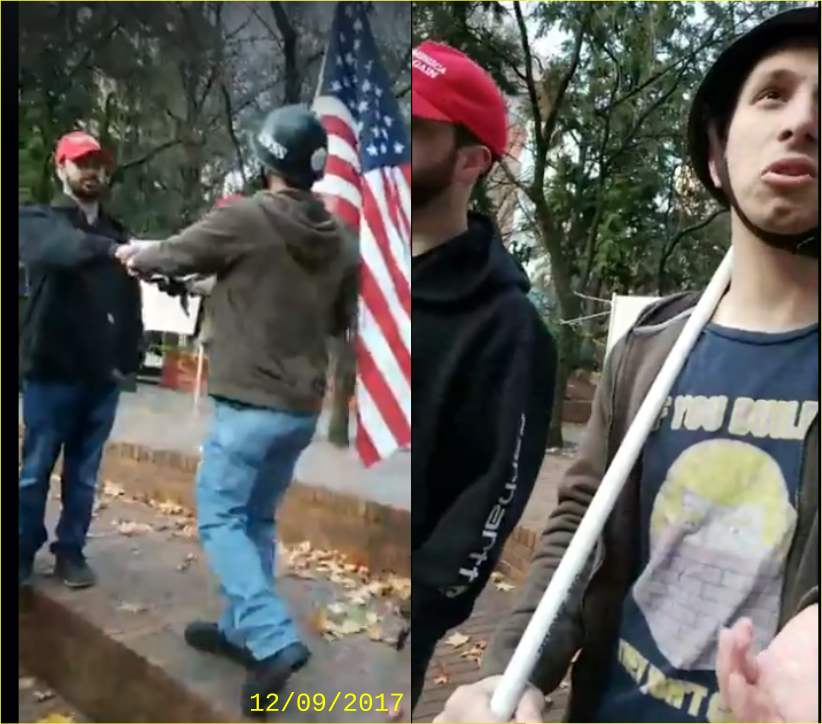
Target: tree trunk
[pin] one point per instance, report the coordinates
(343, 390)
(568, 352)
(555, 436)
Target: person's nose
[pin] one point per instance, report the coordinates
(802, 120)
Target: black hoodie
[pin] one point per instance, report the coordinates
(483, 385)
(83, 322)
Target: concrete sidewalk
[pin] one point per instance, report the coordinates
(162, 419)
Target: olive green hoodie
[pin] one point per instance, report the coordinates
(285, 282)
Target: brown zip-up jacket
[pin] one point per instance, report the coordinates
(587, 629)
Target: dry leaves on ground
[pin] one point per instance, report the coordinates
(339, 620)
(475, 653)
(500, 583)
(456, 640)
(361, 594)
(177, 517)
(127, 607)
(186, 563)
(130, 528)
(441, 677)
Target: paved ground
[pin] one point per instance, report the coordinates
(544, 498)
(153, 580)
(144, 418)
(454, 666)
(38, 703)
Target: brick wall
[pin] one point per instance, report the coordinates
(372, 534)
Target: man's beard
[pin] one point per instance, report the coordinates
(86, 190)
(430, 183)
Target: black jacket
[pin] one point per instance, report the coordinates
(83, 321)
(483, 386)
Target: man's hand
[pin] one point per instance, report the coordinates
(127, 255)
(781, 684)
(473, 704)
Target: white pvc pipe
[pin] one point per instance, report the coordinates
(515, 680)
(198, 381)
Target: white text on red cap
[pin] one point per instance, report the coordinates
(426, 64)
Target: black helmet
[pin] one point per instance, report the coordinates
(292, 144)
(715, 102)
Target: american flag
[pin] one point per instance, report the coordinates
(367, 186)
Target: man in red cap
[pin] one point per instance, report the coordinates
(81, 335)
(484, 362)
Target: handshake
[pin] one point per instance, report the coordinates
(126, 254)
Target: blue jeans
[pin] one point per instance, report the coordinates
(74, 419)
(247, 465)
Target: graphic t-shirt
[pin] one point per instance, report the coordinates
(718, 498)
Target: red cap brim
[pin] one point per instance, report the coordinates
(106, 156)
(422, 108)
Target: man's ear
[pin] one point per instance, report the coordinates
(60, 172)
(714, 174)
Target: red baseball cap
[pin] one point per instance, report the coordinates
(77, 144)
(448, 86)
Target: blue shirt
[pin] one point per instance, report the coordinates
(720, 477)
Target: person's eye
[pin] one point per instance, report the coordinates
(770, 95)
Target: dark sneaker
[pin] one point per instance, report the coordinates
(74, 572)
(25, 572)
(269, 676)
(206, 637)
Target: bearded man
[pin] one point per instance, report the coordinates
(484, 362)
(81, 336)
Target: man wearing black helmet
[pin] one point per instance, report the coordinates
(285, 283)
(701, 603)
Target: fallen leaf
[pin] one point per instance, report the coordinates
(55, 718)
(375, 633)
(112, 490)
(456, 639)
(186, 563)
(187, 531)
(475, 653)
(43, 695)
(347, 627)
(441, 675)
(169, 508)
(131, 528)
(337, 609)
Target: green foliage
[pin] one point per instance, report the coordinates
(603, 89)
(171, 89)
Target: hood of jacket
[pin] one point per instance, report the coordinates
(311, 234)
(474, 264)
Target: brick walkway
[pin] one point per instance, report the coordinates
(453, 667)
